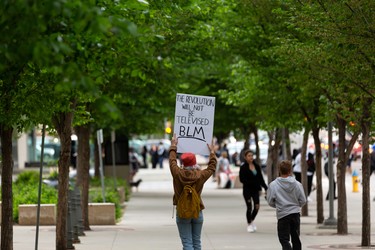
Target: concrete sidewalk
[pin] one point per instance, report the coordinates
(147, 223)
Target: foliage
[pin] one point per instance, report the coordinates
(27, 177)
(111, 195)
(53, 175)
(271, 64)
(25, 190)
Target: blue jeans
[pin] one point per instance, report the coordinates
(190, 232)
(160, 161)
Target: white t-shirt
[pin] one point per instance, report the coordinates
(297, 165)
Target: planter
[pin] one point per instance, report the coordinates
(28, 214)
(99, 214)
(102, 214)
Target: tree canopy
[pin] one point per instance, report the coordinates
(118, 65)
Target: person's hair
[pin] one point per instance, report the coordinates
(247, 151)
(224, 154)
(285, 167)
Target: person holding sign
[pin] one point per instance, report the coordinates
(190, 174)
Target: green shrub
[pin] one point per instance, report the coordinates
(111, 195)
(109, 183)
(54, 175)
(25, 191)
(27, 177)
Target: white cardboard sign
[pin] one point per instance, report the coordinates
(194, 123)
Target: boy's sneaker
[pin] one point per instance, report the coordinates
(250, 228)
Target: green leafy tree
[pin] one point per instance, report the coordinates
(340, 49)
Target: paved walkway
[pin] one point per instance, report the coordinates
(147, 223)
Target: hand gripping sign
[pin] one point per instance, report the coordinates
(194, 123)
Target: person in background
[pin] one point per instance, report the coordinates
(190, 174)
(372, 159)
(294, 154)
(225, 148)
(372, 162)
(287, 196)
(252, 179)
(154, 156)
(223, 171)
(310, 172)
(297, 167)
(326, 172)
(217, 150)
(144, 156)
(161, 153)
(349, 164)
(236, 159)
(134, 164)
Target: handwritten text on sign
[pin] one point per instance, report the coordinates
(194, 120)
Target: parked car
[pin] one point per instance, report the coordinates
(137, 145)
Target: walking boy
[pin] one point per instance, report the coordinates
(287, 196)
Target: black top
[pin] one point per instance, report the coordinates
(250, 181)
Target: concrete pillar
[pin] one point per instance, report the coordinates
(22, 151)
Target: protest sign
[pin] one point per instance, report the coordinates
(194, 123)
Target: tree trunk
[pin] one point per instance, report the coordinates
(6, 188)
(342, 220)
(273, 154)
(366, 213)
(276, 153)
(287, 145)
(83, 170)
(63, 125)
(318, 175)
(305, 208)
(343, 157)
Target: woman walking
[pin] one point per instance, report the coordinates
(252, 179)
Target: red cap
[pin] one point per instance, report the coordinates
(188, 159)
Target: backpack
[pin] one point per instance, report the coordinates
(188, 205)
(311, 165)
